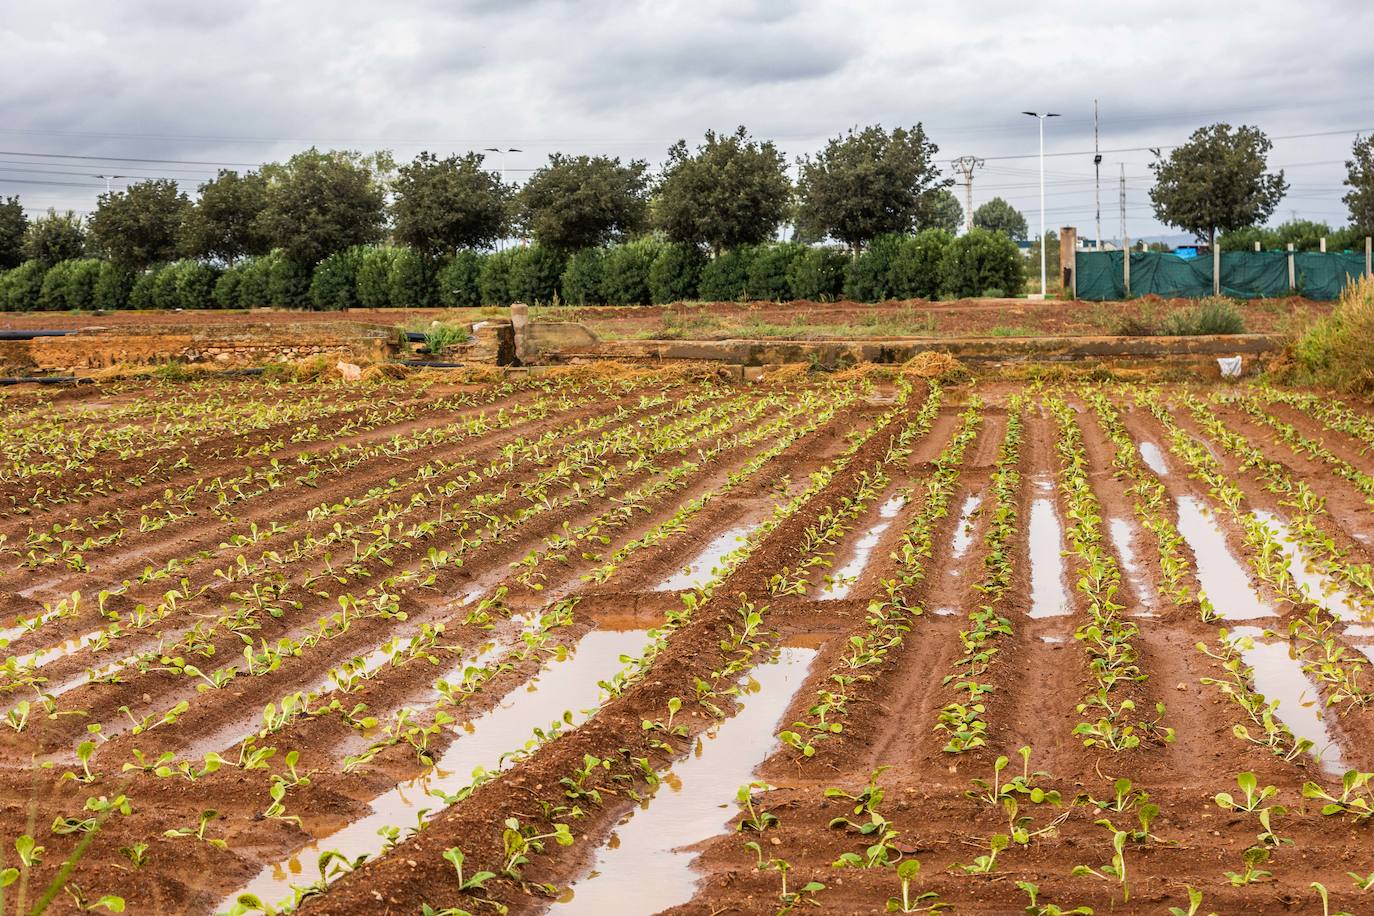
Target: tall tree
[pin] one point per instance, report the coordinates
(1360, 179)
(867, 183)
(443, 205)
(1000, 216)
(319, 203)
(940, 209)
(1217, 181)
(223, 223)
(141, 225)
(733, 191)
(13, 223)
(583, 201)
(55, 237)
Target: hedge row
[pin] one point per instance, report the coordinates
(929, 265)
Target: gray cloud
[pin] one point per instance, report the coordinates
(256, 80)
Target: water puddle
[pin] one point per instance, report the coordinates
(1359, 630)
(1220, 574)
(1049, 598)
(1123, 539)
(41, 657)
(963, 532)
(644, 868)
(1318, 588)
(945, 611)
(1052, 640)
(1279, 676)
(1154, 458)
(838, 586)
(703, 567)
(571, 684)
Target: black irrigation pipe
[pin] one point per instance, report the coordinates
(430, 364)
(30, 335)
(46, 380)
(415, 336)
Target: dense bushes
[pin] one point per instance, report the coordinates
(924, 266)
(1338, 350)
(979, 263)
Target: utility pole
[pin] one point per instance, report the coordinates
(500, 246)
(964, 166)
(1123, 206)
(1097, 178)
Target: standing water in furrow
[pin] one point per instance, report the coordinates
(645, 869)
(840, 584)
(1220, 574)
(571, 684)
(1049, 596)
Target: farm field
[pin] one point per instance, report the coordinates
(722, 320)
(624, 640)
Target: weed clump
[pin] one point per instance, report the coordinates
(1213, 315)
(1338, 350)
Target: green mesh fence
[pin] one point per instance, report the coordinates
(1244, 274)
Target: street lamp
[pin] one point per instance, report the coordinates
(1041, 118)
(502, 154)
(107, 180)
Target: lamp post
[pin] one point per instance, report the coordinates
(1041, 118)
(502, 154)
(107, 180)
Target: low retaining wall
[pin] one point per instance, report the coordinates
(833, 353)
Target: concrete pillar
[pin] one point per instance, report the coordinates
(1257, 246)
(1216, 266)
(1323, 249)
(519, 323)
(1368, 257)
(1126, 264)
(1292, 270)
(1068, 259)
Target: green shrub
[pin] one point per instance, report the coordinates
(1213, 315)
(535, 274)
(195, 284)
(441, 335)
(581, 280)
(52, 296)
(493, 279)
(165, 294)
(767, 277)
(374, 277)
(457, 281)
(253, 283)
(979, 261)
(868, 278)
(725, 278)
(334, 282)
(23, 285)
(1338, 350)
(675, 275)
(625, 272)
(409, 282)
(227, 288)
(142, 293)
(817, 274)
(915, 271)
(288, 282)
(112, 287)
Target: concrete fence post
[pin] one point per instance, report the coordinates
(1216, 267)
(1068, 259)
(1292, 271)
(1257, 246)
(1368, 256)
(1323, 248)
(1126, 265)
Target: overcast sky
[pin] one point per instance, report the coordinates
(213, 83)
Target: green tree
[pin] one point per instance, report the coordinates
(457, 281)
(625, 272)
(581, 280)
(867, 183)
(22, 286)
(13, 224)
(54, 237)
(578, 202)
(1359, 177)
(535, 273)
(675, 274)
(334, 283)
(999, 216)
(223, 222)
(1217, 181)
(319, 203)
(374, 277)
(725, 278)
(732, 191)
(443, 205)
(817, 274)
(981, 262)
(410, 282)
(493, 277)
(940, 209)
(112, 287)
(767, 278)
(141, 225)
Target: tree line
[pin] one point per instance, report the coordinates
(324, 227)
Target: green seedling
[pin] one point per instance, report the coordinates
(1194, 904)
(928, 902)
(198, 831)
(520, 842)
(1253, 858)
(983, 865)
(1036, 908)
(1326, 900)
(454, 855)
(1116, 869)
(1252, 798)
(137, 854)
(107, 902)
(790, 899)
(1356, 798)
(756, 819)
